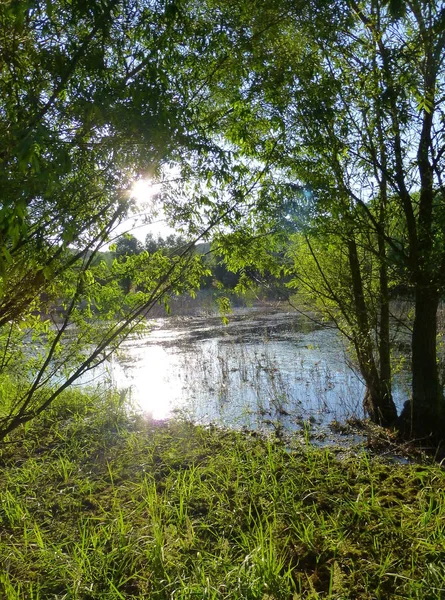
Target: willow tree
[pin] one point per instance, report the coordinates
(390, 72)
(346, 101)
(87, 104)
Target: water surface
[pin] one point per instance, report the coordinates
(260, 370)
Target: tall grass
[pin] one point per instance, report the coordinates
(95, 504)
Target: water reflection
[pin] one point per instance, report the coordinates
(259, 370)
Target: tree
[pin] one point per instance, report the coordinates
(86, 105)
(128, 245)
(346, 101)
(172, 244)
(338, 273)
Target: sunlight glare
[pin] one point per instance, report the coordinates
(155, 386)
(144, 191)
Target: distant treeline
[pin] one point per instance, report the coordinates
(221, 279)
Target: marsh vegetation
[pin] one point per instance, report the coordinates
(267, 367)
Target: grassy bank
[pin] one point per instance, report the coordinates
(100, 506)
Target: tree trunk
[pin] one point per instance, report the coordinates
(423, 416)
(378, 403)
(384, 333)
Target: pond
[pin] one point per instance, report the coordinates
(262, 369)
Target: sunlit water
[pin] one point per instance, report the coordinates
(260, 370)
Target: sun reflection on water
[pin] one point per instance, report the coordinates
(239, 375)
(153, 376)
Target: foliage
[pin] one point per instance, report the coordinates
(85, 107)
(172, 244)
(85, 327)
(127, 245)
(274, 118)
(336, 112)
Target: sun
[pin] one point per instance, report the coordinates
(144, 191)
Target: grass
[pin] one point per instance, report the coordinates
(97, 505)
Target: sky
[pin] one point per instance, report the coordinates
(144, 192)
